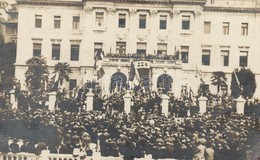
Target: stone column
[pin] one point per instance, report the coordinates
(240, 105)
(89, 100)
(165, 104)
(52, 101)
(127, 102)
(203, 104)
(13, 99)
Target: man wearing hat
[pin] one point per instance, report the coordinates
(14, 147)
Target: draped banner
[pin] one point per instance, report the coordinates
(140, 70)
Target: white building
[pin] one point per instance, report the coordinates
(213, 35)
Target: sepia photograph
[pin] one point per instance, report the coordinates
(129, 79)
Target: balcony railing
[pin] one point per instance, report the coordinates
(156, 61)
(50, 156)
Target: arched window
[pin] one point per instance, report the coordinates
(164, 82)
(118, 81)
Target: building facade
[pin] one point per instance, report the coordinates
(209, 36)
(8, 21)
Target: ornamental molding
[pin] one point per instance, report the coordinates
(141, 37)
(121, 36)
(56, 41)
(225, 47)
(153, 13)
(243, 47)
(174, 13)
(88, 9)
(37, 40)
(111, 10)
(133, 12)
(206, 46)
(53, 3)
(75, 41)
(197, 14)
(231, 9)
(162, 38)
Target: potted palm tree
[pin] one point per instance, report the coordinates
(219, 79)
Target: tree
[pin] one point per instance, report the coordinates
(243, 83)
(7, 60)
(36, 78)
(219, 79)
(61, 71)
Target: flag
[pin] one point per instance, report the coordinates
(199, 74)
(236, 78)
(98, 64)
(83, 79)
(143, 72)
(132, 72)
(55, 81)
(191, 94)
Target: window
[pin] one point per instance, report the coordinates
(161, 49)
(38, 21)
(141, 48)
(207, 26)
(225, 58)
(225, 28)
(98, 48)
(55, 51)
(185, 54)
(120, 48)
(57, 20)
(243, 58)
(142, 21)
(163, 22)
(99, 19)
(122, 21)
(37, 49)
(244, 28)
(185, 22)
(72, 84)
(75, 23)
(205, 59)
(74, 52)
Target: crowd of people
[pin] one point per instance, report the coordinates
(220, 133)
(128, 135)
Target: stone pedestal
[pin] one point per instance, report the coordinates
(127, 102)
(203, 104)
(13, 99)
(89, 100)
(52, 101)
(240, 105)
(165, 104)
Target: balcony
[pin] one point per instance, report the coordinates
(11, 22)
(169, 61)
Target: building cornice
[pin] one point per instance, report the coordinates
(166, 2)
(50, 2)
(231, 9)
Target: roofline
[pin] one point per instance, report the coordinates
(231, 9)
(165, 2)
(49, 2)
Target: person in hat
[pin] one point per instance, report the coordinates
(209, 152)
(14, 147)
(40, 147)
(4, 147)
